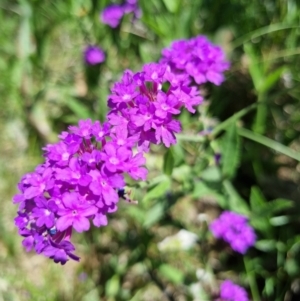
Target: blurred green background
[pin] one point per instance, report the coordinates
(146, 253)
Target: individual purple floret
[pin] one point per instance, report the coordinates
(235, 230)
(198, 58)
(78, 183)
(232, 292)
(93, 55)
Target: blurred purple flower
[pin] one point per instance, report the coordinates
(232, 292)
(112, 15)
(94, 55)
(235, 230)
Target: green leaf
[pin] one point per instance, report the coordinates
(154, 215)
(278, 205)
(265, 245)
(257, 199)
(171, 273)
(269, 143)
(201, 190)
(81, 111)
(278, 221)
(92, 295)
(270, 80)
(211, 174)
(168, 162)
(158, 190)
(255, 69)
(112, 286)
(225, 124)
(235, 202)
(230, 151)
(172, 5)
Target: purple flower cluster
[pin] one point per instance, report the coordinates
(197, 57)
(112, 14)
(82, 177)
(232, 292)
(93, 55)
(145, 103)
(235, 230)
(78, 182)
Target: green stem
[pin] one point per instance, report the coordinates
(261, 115)
(251, 278)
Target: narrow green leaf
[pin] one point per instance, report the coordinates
(265, 245)
(269, 143)
(230, 152)
(172, 5)
(201, 191)
(168, 162)
(257, 199)
(226, 123)
(112, 286)
(270, 80)
(235, 202)
(81, 111)
(255, 70)
(260, 32)
(171, 273)
(277, 221)
(154, 215)
(158, 191)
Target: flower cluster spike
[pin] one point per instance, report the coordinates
(145, 102)
(197, 57)
(77, 183)
(232, 292)
(82, 177)
(235, 230)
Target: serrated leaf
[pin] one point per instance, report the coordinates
(230, 151)
(168, 162)
(154, 215)
(171, 273)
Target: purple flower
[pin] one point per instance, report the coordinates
(198, 58)
(112, 15)
(74, 213)
(77, 183)
(232, 292)
(93, 55)
(235, 230)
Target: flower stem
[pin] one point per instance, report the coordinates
(251, 278)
